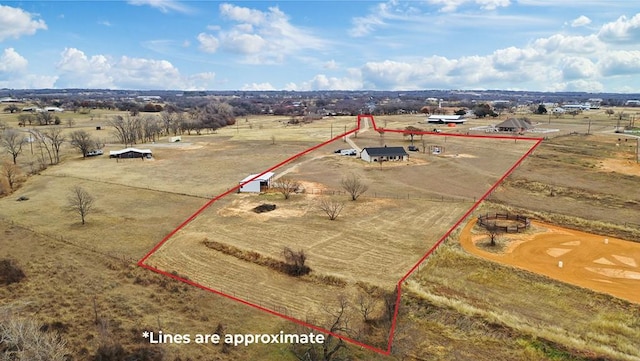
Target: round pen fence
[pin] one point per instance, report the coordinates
(505, 222)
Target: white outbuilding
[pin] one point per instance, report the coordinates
(256, 184)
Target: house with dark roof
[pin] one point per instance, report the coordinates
(514, 125)
(384, 154)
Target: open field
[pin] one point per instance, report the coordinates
(587, 261)
(548, 319)
(457, 306)
(368, 236)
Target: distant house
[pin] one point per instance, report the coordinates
(383, 154)
(53, 109)
(442, 119)
(514, 125)
(130, 153)
(257, 185)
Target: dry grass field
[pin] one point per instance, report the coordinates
(83, 282)
(407, 208)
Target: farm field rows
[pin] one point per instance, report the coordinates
(377, 239)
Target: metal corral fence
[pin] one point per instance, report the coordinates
(434, 198)
(523, 222)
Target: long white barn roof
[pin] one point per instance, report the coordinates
(263, 177)
(126, 150)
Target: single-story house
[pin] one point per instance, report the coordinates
(514, 125)
(257, 185)
(442, 119)
(382, 154)
(131, 153)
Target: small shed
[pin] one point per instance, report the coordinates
(130, 153)
(383, 154)
(256, 184)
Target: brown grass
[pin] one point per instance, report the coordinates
(70, 266)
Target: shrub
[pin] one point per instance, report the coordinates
(10, 272)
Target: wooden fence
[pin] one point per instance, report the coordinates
(489, 220)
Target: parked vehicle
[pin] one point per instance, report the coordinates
(93, 153)
(348, 152)
(413, 148)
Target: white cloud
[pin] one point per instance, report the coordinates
(29, 81)
(242, 14)
(452, 5)
(580, 85)
(580, 21)
(12, 62)
(105, 23)
(620, 63)
(14, 73)
(622, 30)
(323, 82)
(578, 68)
(330, 65)
(208, 42)
(77, 70)
(15, 22)
(243, 43)
(560, 43)
(165, 6)
(99, 71)
(258, 87)
(262, 37)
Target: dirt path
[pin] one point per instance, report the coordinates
(603, 264)
(364, 128)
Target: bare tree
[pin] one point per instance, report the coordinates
(127, 129)
(286, 186)
(331, 208)
(354, 186)
(56, 139)
(50, 140)
(150, 128)
(296, 262)
(81, 202)
(366, 305)
(23, 339)
(12, 141)
(82, 141)
(10, 172)
(333, 348)
(494, 231)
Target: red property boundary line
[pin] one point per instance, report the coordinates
(141, 262)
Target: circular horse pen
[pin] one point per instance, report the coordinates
(504, 222)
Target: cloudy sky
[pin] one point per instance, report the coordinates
(543, 45)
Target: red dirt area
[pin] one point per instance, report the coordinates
(603, 264)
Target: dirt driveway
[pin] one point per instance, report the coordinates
(603, 264)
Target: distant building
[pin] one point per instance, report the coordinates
(130, 153)
(442, 119)
(383, 154)
(257, 185)
(514, 125)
